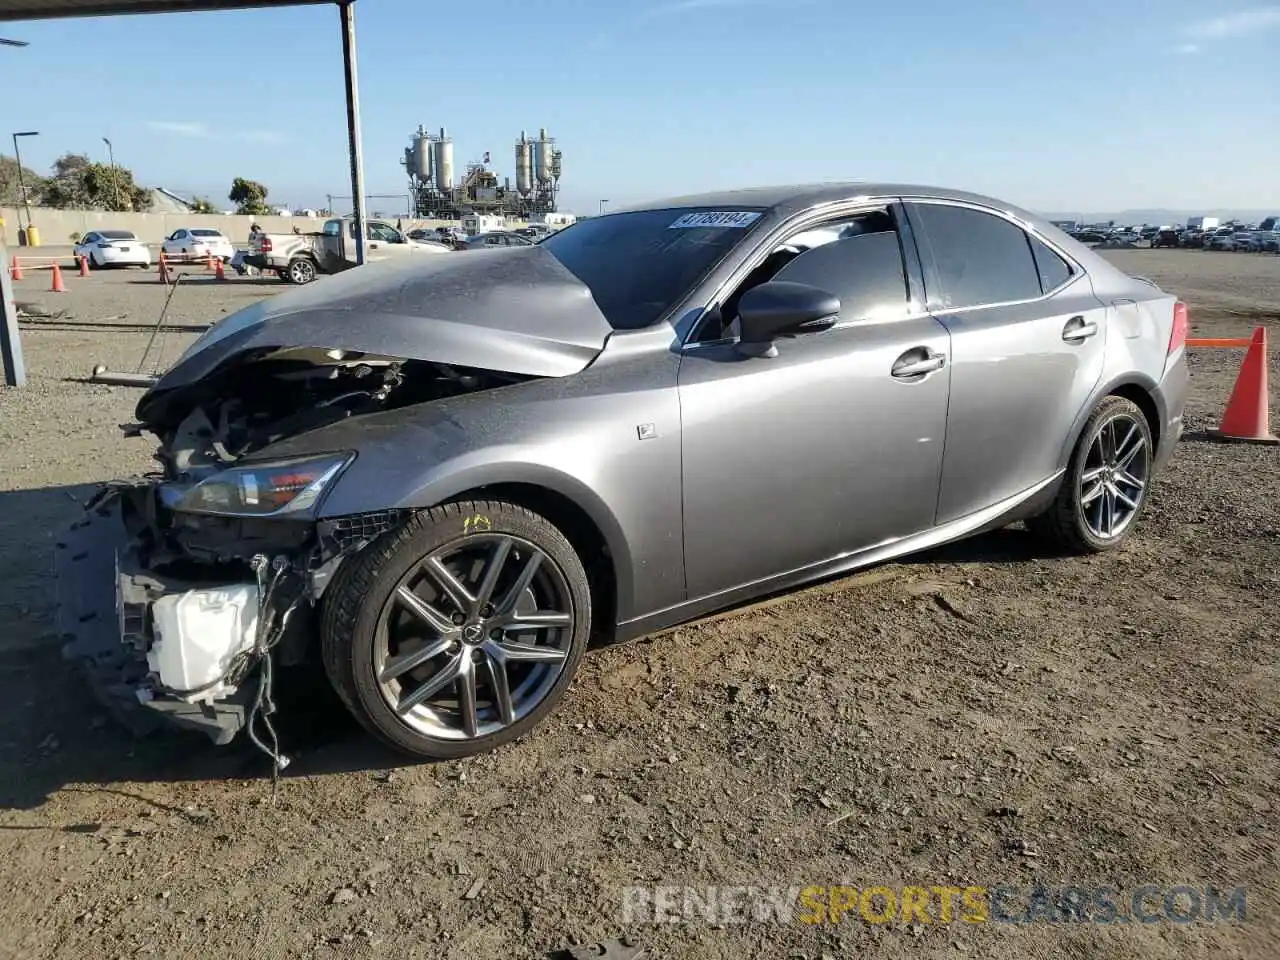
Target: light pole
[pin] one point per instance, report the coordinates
(22, 181)
(115, 177)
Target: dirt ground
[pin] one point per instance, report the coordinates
(983, 715)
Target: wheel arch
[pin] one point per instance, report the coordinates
(580, 514)
(583, 533)
(1133, 386)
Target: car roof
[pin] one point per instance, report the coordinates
(786, 200)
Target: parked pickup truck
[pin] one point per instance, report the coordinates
(301, 257)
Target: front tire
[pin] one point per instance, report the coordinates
(1106, 484)
(459, 631)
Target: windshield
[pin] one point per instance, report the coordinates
(205, 233)
(638, 265)
(115, 234)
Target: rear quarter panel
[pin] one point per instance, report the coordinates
(1140, 324)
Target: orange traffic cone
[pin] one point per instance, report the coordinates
(164, 269)
(57, 286)
(84, 266)
(1248, 415)
(219, 273)
(209, 264)
(16, 272)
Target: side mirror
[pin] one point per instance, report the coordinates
(782, 307)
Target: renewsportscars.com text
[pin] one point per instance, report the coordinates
(882, 904)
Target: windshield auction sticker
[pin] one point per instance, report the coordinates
(716, 218)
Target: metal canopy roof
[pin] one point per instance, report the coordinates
(49, 9)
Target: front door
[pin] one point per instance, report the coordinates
(1028, 343)
(830, 446)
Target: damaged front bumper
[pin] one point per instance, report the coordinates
(107, 606)
(171, 625)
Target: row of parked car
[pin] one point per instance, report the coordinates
(1242, 239)
(122, 248)
(1262, 238)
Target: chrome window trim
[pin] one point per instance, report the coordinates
(799, 223)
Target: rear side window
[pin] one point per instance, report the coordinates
(981, 258)
(1054, 271)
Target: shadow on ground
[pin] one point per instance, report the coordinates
(55, 736)
(54, 733)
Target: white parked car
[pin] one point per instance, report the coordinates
(199, 242)
(112, 248)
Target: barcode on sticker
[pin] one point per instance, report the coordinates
(716, 218)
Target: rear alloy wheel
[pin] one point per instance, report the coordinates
(300, 270)
(1106, 484)
(460, 631)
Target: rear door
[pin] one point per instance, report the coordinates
(1028, 342)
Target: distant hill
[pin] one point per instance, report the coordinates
(1155, 217)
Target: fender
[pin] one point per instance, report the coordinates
(458, 477)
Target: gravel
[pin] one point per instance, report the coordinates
(983, 714)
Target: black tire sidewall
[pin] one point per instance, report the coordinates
(308, 271)
(1104, 412)
(388, 560)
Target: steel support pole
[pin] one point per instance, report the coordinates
(347, 15)
(15, 370)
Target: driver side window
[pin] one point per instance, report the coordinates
(858, 257)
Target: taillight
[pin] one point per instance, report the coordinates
(265, 244)
(1181, 322)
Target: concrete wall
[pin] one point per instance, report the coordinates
(56, 226)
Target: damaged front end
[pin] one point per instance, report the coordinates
(180, 590)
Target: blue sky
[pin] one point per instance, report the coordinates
(1093, 105)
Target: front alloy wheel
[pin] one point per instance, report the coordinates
(1107, 481)
(460, 631)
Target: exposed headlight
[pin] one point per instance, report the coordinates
(280, 488)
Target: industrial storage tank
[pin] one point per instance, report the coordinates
(443, 162)
(542, 157)
(524, 165)
(421, 156)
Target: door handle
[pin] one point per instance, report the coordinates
(1078, 329)
(917, 362)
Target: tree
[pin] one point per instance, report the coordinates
(11, 189)
(79, 184)
(249, 196)
(201, 205)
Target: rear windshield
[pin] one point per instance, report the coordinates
(205, 233)
(638, 265)
(116, 234)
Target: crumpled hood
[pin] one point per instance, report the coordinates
(516, 310)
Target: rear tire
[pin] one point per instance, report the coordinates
(300, 270)
(1106, 484)
(494, 671)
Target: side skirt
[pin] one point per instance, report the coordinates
(1019, 506)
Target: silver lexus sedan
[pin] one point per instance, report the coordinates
(445, 477)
